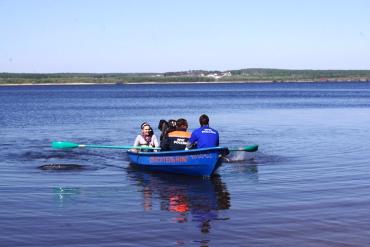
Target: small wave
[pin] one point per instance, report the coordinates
(255, 158)
(239, 157)
(34, 155)
(63, 167)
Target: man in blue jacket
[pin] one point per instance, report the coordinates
(205, 136)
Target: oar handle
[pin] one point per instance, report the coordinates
(116, 147)
(66, 145)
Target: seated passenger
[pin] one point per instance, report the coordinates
(178, 138)
(147, 137)
(162, 126)
(205, 136)
(166, 127)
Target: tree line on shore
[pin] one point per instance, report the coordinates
(247, 75)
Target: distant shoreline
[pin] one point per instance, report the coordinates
(190, 76)
(177, 82)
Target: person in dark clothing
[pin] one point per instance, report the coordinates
(205, 136)
(165, 127)
(177, 139)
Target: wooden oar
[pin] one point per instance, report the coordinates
(67, 145)
(251, 148)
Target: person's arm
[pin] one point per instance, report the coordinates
(218, 139)
(188, 145)
(155, 141)
(192, 140)
(137, 141)
(164, 144)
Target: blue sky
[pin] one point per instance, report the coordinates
(47, 36)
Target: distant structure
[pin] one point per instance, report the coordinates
(217, 75)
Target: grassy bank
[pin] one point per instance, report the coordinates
(246, 75)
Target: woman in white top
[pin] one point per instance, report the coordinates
(147, 137)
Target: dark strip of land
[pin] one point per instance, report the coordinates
(242, 75)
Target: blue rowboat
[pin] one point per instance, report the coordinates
(196, 162)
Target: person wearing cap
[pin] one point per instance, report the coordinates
(205, 136)
(146, 137)
(178, 138)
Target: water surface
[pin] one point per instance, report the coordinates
(308, 185)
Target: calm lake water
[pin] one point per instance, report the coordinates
(308, 185)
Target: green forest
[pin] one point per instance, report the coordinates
(242, 75)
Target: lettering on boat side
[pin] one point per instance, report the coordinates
(176, 159)
(179, 159)
(201, 156)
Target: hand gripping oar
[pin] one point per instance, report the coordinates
(66, 145)
(251, 148)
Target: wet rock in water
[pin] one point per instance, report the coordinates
(62, 167)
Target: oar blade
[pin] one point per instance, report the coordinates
(251, 148)
(62, 145)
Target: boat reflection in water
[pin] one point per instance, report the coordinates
(196, 199)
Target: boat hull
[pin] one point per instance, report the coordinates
(196, 162)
